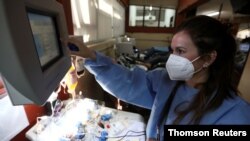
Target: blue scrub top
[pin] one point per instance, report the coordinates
(151, 90)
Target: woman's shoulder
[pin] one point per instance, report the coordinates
(238, 102)
(242, 104)
(238, 113)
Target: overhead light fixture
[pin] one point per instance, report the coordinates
(150, 8)
(212, 14)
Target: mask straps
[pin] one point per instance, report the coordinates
(196, 59)
(199, 68)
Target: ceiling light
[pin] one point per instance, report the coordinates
(150, 8)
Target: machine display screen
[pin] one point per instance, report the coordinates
(45, 38)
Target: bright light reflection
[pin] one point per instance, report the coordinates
(96, 5)
(75, 14)
(213, 14)
(86, 37)
(105, 7)
(117, 16)
(84, 6)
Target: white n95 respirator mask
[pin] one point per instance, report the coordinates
(180, 68)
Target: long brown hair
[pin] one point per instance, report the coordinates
(209, 35)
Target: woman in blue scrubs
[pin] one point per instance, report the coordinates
(196, 87)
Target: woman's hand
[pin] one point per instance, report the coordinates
(82, 50)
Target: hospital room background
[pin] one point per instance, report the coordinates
(135, 33)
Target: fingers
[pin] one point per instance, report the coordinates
(76, 41)
(75, 46)
(78, 48)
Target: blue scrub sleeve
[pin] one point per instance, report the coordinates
(132, 86)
